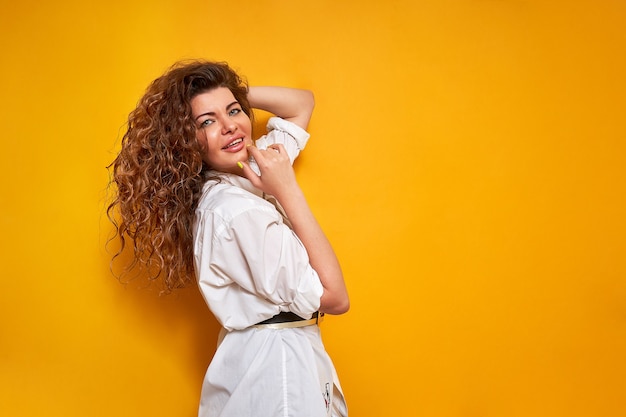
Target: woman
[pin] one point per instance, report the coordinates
(196, 195)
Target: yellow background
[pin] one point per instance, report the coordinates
(467, 162)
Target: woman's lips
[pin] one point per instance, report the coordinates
(235, 145)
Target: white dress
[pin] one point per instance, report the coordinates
(251, 266)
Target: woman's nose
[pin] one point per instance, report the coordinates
(228, 127)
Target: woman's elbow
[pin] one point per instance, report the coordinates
(343, 307)
(335, 305)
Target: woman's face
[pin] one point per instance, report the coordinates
(223, 129)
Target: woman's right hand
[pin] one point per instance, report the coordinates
(277, 175)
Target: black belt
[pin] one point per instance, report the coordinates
(287, 319)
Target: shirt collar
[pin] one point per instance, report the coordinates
(238, 181)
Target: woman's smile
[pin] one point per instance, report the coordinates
(235, 146)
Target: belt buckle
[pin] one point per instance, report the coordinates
(319, 318)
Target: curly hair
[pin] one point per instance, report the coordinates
(159, 171)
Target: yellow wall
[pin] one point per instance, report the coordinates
(467, 162)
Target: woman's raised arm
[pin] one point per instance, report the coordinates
(293, 104)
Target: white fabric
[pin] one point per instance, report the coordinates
(250, 266)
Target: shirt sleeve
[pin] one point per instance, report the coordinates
(254, 267)
(289, 134)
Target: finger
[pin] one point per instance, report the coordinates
(255, 153)
(278, 147)
(249, 173)
(264, 156)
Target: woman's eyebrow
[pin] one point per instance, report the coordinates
(232, 104)
(213, 113)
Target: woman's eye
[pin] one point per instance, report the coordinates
(234, 112)
(206, 123)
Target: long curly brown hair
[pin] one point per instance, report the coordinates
(159, 172)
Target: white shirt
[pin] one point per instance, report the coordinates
(251, 266)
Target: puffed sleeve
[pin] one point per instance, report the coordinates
(289, 134)
(253, 267)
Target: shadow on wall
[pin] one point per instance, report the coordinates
(177, 325)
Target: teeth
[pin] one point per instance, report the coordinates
(233, 143)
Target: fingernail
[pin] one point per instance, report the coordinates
(240, 165)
